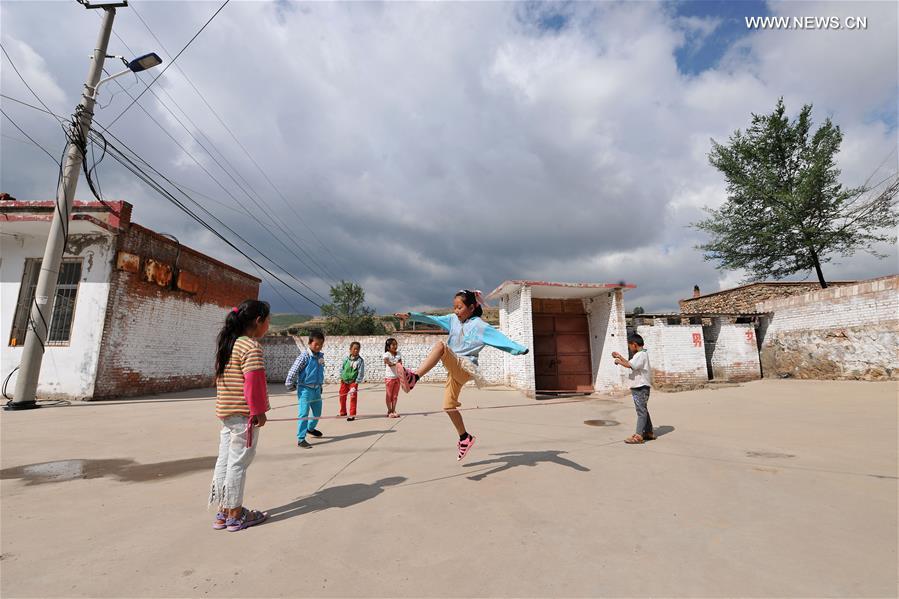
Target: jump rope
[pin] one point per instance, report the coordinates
(249, 429)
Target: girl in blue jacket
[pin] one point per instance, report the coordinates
(468, 335)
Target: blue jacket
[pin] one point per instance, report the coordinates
(468, 338)
(307, 371)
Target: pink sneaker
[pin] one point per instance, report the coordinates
(407, 378)
(464, 447)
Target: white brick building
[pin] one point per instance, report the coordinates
(135, 312)
(572, 330)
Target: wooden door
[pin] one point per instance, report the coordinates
(561, 346)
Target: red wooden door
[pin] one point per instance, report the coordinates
(561, 346)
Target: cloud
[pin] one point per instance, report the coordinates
(421, 147)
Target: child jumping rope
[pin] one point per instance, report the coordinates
(468, 335)
(307, 375)
(352, 372)
(241, 404)
(392, 359)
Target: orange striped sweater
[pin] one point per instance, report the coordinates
(245, 357)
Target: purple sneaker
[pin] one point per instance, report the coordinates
(220, 522)
(247, 519)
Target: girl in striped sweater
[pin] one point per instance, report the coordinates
(241, 404)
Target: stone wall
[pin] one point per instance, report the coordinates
(744, 299)
(676, 354)
(844, 332)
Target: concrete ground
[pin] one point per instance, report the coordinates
(772, 488)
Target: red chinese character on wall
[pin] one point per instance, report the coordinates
(697, 340)
(750, 338)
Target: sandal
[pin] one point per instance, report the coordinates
(649, 436)
(220, 522)
(247, 519)
(634, 440)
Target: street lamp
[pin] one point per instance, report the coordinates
(141, 63)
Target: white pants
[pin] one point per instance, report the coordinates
(230, 475)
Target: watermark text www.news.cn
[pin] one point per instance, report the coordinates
(813, 23)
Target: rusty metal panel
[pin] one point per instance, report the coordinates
(158, 272)
(188, 282)
(128, 262)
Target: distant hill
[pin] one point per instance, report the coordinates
(280, 322)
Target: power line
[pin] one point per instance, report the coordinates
(155, 79)
(226, 190)
(33, 93)
(319, 269)
(322, 272)
(128, 163)
(31, 139)
(241, 145)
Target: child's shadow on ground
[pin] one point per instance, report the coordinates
(663, 430)
(510, 459)
(341, 496)
(359, 435)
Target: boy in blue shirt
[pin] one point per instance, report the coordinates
(307, 375)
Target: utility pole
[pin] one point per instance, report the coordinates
(45, 292)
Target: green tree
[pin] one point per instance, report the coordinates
(347, 312)
(638, 310)
(786, 211)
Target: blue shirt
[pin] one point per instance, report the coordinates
(467, 339)
(307, 371)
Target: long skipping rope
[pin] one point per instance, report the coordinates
(249, 429)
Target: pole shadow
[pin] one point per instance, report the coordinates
(511, 459)
(348, 436)
(341, 496)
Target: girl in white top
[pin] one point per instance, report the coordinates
(392, 357)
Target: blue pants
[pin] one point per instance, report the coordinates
(308, 399)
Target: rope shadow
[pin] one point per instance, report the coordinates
(348, 436)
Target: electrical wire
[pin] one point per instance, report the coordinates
(31, 139)
(162, 72)
(241, 145)
(252, 194)
(167, 195)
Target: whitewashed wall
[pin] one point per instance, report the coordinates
(608, 333)
(66, 371)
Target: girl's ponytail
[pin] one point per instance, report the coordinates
(237, 322)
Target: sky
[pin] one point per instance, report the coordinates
(418, 148)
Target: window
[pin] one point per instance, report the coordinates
(63, 304)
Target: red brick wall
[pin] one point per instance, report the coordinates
(157, 336)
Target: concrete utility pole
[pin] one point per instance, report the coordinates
(45, 292)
